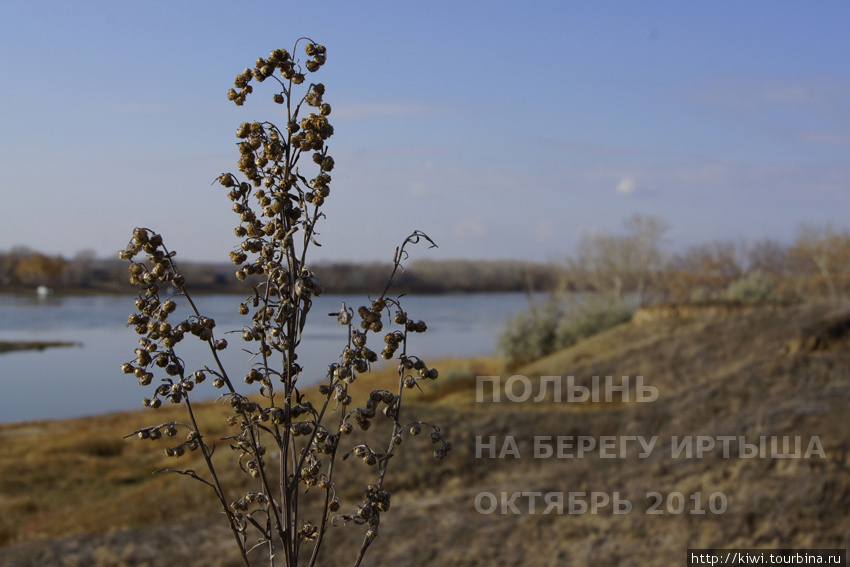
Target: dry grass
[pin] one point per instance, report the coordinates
(80, 476)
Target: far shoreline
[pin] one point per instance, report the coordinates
(12, 346)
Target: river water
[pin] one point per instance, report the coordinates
(86, 379)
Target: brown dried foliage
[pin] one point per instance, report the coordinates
(288, 447)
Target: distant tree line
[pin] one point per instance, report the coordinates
(22, 269)
(639, 262)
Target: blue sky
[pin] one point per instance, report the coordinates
(502, 129)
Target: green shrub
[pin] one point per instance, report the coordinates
(755, 287)
(532, 334)
(557, 324)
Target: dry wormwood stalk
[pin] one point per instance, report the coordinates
(278, 208)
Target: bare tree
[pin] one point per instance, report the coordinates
(828, 251)
(704, 271)
(618, 264)
(769, 257)
(596, 264)
(645, 236)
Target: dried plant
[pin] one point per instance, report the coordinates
(278, 209)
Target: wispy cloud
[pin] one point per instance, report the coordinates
(545, 230)
(827, 138)
(812, 110)
(359, 111)
(591, 149)
(417, 189)
(138, 108)
(819, 93)
(469, 227)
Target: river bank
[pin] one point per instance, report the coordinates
(748, 409)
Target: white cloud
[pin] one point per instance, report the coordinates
(626, 186)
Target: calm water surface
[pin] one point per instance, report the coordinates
(85, 380)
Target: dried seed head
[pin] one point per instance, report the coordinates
(140, 236)
(368, 354)
(344, 316)
(143, 357)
